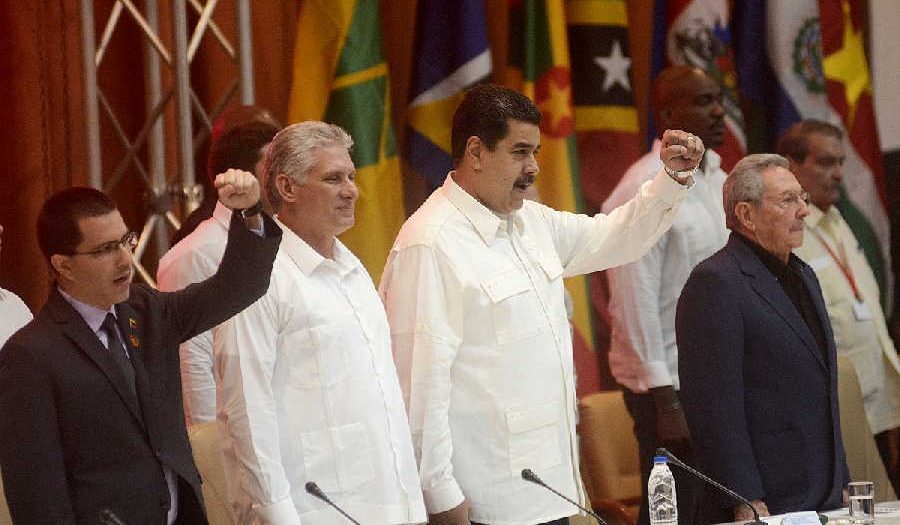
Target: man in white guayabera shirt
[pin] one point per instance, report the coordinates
(474, 292)
(306, 387)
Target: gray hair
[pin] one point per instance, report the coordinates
(744, 183)
(291, 152)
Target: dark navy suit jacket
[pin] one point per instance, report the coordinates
(759, 396)
(74, 440)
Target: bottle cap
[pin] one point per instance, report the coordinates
(660, 460)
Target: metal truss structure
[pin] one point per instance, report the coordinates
(181, 188)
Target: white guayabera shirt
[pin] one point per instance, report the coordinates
(307, 391)
(482, 342)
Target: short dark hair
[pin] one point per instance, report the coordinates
(485, 112)
(794, 143)
(240, 147)
(57, 224)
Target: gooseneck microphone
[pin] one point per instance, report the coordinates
(706, 479)
(314, 489)
(529, 475)
(108, 517)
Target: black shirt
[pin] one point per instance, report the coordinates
(790, 277)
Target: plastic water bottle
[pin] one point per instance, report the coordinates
(661, 494)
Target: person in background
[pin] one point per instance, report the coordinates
(473, 289)
(13, 312)
(197, 256)
(756, 357)
(643, 357)
(235, 116)
(816, 153)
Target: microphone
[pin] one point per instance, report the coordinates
(706, 479)
(529, 475)
(314, 489)
(108, 517)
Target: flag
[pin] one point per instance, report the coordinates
(452, 53)
(340, 77)
(539, 60)
(817, 57)
(606, 120)
(697, 33)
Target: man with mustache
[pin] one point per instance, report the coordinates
(815, 150)
(91, 425)
(756, 357)
(306, 387)
(473, 288)
(643, 357)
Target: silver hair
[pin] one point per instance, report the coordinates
(291, 152)
(745, 184)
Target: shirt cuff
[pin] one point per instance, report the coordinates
(282, 512)
(443, 497)
(667, 189)
(656, 374)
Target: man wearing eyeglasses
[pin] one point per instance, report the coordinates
(816, 152)
(756, 356)
(91, 425)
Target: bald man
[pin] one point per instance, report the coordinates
(643, 294)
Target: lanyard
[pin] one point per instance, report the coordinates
(841, 263)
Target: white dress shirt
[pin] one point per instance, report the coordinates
(644, 294)
(482, 342)
(13, 314)
(863, 339)
(194, 259)
(308, 392)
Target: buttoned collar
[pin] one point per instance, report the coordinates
(308, 259)
(486, 222)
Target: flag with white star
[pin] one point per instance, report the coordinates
(538, 66)
(606, 121)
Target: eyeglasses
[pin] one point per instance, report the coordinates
(793, 199)
(129, 241)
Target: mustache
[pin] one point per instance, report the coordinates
(526, 180)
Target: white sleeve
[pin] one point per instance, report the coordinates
(197, 380)
(635, 305)
(245, 357)
(423, 306)
(588, 244)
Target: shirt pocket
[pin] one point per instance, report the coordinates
(322, 359)
(534, 437)
(514, 305)
(338, 459)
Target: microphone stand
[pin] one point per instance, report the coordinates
(703, 477)
(314, 489)
(529, 475)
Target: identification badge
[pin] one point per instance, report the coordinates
(861, 311)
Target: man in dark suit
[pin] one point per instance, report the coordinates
(91, 422)
(757, 356)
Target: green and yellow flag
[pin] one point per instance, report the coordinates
(341, 77)
(539, 58)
